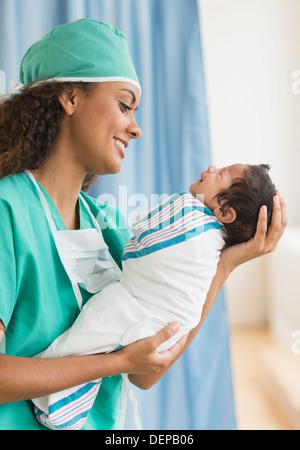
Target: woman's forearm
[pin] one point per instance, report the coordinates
(223, 271)
(26, 378)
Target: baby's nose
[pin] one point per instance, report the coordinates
(212, 169)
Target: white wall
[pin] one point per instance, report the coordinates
(251, 48)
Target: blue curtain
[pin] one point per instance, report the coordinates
(164, 38)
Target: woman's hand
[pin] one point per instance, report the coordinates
(265, 241)
(142, 356)
(145, 364)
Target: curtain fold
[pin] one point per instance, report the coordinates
(165, 42)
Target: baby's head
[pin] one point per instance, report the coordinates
(235, 195)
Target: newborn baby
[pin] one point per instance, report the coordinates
(168, 267)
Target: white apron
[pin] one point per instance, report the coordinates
(83, 253)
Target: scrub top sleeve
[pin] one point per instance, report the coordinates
(7, 263)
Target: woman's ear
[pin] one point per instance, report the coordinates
(225, 215)
(68, 101)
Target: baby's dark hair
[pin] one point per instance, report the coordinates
(246, 196)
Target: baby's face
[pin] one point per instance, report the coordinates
(215, 180)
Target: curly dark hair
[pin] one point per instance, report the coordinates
(29, 125)
(246, 196)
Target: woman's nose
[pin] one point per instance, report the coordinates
(134, 130)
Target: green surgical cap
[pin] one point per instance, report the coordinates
(85, 50)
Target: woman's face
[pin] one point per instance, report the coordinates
(102, 125)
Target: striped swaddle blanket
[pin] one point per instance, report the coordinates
(177, 219)
(168, 266)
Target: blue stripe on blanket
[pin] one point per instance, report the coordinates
(177, 223)
(183, 196)
(60, 405)
(129, 254)
(71, 398)
(64, 426)
(179, 218)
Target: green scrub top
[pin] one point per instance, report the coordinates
(37, 301)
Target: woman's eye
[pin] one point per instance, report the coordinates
(125, 107)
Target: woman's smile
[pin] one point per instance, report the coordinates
(121, 146)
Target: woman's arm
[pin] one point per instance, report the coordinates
(263, 242)
(25, 378)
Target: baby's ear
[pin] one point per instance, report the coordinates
(225, 215)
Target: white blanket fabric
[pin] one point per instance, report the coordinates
(168, 267)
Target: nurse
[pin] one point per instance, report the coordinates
(73, 120)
